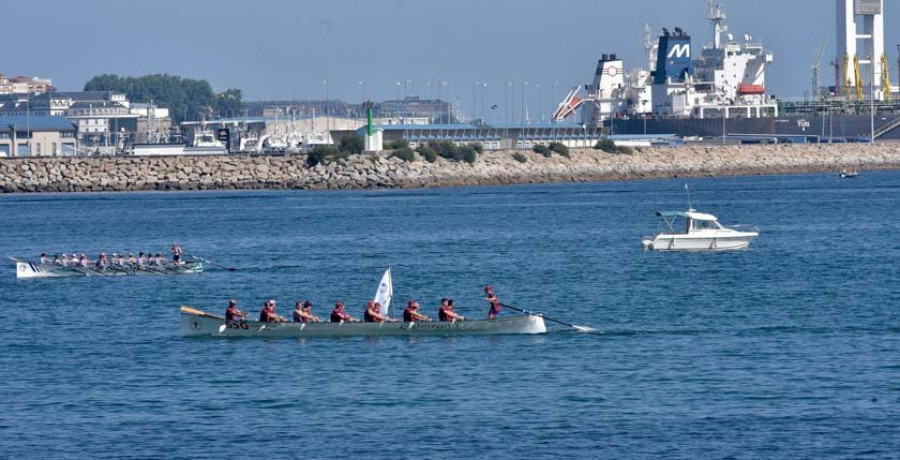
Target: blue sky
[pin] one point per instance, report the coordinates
(276, 49)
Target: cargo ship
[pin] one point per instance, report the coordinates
(719, 92)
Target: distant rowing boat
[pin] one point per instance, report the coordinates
(28, 270)
(196, 323)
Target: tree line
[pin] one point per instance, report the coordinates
(186, 98)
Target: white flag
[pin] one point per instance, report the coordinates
(385, 292)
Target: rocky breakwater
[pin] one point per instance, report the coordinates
(369, 171)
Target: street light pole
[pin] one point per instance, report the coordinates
(872, 101)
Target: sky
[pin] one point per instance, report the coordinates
(286, 49)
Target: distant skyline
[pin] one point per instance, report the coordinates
(281, 49)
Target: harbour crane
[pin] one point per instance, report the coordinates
(816, 64)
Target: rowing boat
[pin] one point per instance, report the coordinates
(27, 270)
(197, 323)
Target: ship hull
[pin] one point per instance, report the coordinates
(812, 127)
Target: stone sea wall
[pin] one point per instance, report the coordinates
(368, 171)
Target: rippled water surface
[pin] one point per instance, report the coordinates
(788, 350)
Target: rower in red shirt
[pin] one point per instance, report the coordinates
(338, 315)
(373, 313)
(446, 313)
(232, 313)
(411, 313)
(495, 302)
(268, 315)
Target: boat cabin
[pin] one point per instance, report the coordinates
(693, 221)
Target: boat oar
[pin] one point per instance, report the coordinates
(577, 328)
(206, 261)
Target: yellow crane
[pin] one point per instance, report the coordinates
(859, 82)
(846, 69)
(886, 78)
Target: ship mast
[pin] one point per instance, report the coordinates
(716, 15)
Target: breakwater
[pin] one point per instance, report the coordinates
(368, 171)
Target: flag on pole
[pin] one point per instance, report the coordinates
(385, 292)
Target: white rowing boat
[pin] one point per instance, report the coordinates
(28, 270)
(196, 323)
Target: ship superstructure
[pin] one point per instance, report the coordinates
(727, 79)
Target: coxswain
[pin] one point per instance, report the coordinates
(495, 302)
(446, 313)
(411, 313)
(338, 315)
(303, 313)
(44, 259)
(268, 315)
(176, 253)
(373, 313)
(232, 314)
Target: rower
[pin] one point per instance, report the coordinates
(303, 313)
(84, 260)
(75, 260)
(232, 313)
(141, 260)
(102, 261)
(373, 313)
(268, 315)
(159, 260)
(446, 313)
(338, 315)
(176, 253)
(44, 259)
(65, 260)
(411, 313)
(131, 260)
(495, 302)
(56, 260)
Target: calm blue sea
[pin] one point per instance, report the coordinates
(788, 350)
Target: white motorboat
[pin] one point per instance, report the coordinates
(196, 323)
(696, 231)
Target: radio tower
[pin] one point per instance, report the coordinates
(717, 16)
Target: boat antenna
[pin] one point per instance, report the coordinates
(688, 190)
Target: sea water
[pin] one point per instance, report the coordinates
(788, 350)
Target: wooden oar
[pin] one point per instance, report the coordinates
(194, 311)
(577, 328)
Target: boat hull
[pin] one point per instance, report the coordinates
(670, 242)
(31, 270)
(193, 325)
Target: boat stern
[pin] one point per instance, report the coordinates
(28, 270)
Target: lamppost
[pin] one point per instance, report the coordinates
(327, 106)
(872, 101)
(475, 100)
(28, 122)
(508, 103)
(644, 114)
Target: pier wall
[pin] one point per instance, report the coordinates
(369, 171)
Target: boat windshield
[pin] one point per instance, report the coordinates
(704, 225)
